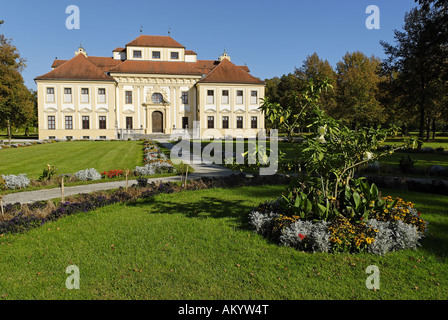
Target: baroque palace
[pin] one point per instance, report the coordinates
(152, 86)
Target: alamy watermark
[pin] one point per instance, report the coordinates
(373, 281)
(373, 20)
(72, 281)
(73, 21)
(213, 153)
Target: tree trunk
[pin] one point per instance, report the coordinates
(422, 122)
(8, 125)
(428, 128)
(433, 128)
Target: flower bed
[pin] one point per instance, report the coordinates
(156, 162)
(386, 225)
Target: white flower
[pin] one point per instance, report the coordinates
(321, 139)
(367, 155)
(322, 131)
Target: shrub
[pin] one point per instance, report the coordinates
(16, 182)
(88, 175)
(48, 173)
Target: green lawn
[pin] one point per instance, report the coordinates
(196, 245)
(424, 160)
(70, 157)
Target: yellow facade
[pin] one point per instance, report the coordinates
(143, 102)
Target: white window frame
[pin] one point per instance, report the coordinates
(227, 98)
(252, 102)
(53, 95)
(102, 95)
(66, 95)
(85, 97)
(237, 97)
(210, 99)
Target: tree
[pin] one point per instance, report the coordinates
(318, 70)
(291, 114)
(420, 59)
(16, 101)
(358, 77)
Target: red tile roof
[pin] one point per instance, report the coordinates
(119, 49)
(190, 52)
(156, 67)
(227, 72)
(78, 68)
(155, 41)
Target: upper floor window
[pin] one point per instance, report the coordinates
(253, 97)
(67, 95)
(174, 55)
(239, 96)
(225, 97)
(84, 95)
(137, 54)
(50, 95)
(157, 98)
(156, 54)
(128, 97)
(210, 96)
(101, 95)
(185, 97)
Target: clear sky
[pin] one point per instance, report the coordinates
(271, 36)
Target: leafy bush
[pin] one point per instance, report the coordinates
(48, 173)
(16, 182)
(88, 175)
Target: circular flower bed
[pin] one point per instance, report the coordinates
(393, 224)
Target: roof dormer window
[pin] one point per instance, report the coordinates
(156, 54)
(137, 54)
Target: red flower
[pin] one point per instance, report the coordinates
(301, 236)
(419, 214)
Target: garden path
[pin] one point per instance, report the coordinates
(200, 170)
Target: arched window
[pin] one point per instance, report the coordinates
(157, 98)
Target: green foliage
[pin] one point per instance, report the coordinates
(48, 173)
(406, 163)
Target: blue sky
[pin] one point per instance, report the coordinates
(271, 37)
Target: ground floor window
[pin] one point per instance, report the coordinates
(225, 122)
(68, 122)
(185, 123)
(211, 122)
(129, 124)
(85, 122)
(102, 122)
(254, 122)
(239, 122)
(51, 122)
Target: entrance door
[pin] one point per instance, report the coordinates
(157, 122)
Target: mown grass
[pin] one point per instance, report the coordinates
(70, 157)
(423, 160)
(197, 245)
